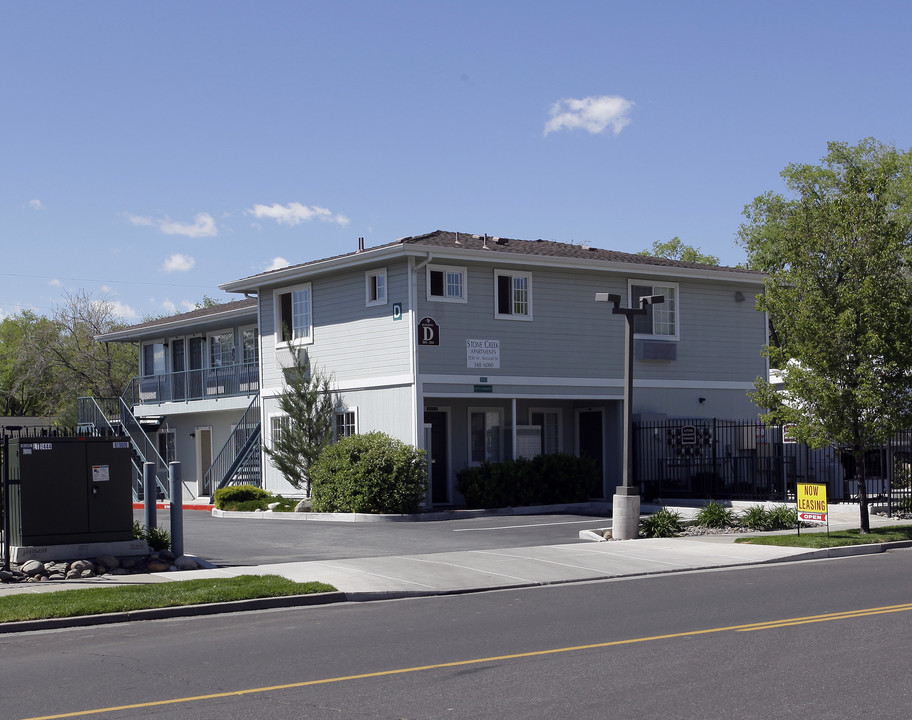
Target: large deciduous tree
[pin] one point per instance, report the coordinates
(677, 249)
(838, 248)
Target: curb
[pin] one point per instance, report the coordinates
(178, 611)
(594, 508)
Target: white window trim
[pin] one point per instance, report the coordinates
(511, 274)
(342, 411)
(270, 427)
(653, 284)
(560, 423)
(378, 272)
(240, 343)
(445, 269)
(277, 315)
(500, 414)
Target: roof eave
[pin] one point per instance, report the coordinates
(168, 326)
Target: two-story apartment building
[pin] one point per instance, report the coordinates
(195, 398)
(480, 348)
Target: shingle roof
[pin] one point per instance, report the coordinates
(539, 248)
(189, 318)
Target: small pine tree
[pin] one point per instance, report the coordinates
(309, 404)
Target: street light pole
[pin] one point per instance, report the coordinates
(625, 506)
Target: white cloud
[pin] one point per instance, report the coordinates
(277, 262)
(294, 213)
(592, 114)
(203, 226)
(178, 263)
(139, 220)
(36, 204)
(188, 305)
(122, 310)
(169, 307)
(55, 282)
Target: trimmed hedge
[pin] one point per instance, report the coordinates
(372, 473)
(541, 480)
(233, 494)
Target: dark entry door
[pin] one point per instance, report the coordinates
(440, 463)
(592, 445)
(177, 370)
(196, 368)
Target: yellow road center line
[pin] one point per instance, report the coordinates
(788, 622)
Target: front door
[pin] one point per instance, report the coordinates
(591, 434)
(179, 387)
(196, 368)
(439, 458)
(204, 460)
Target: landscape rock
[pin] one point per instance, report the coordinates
(186, 563)
(109, 561)
(157, 566)
(33, 568)
(304, 506)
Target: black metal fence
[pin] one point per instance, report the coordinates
(739, 460)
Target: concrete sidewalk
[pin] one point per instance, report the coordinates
(401, 576)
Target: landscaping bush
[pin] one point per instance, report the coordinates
(715, 515)
(541, 480)
(664, 523)
(371, 473)
(760, 518)
(156, 538)
(237, 494)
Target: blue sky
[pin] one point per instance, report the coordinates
(150, 151)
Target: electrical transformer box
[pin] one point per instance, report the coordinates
(65, 490)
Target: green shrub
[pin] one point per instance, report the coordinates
(541, 480)
(760, 518)
(157, 538)
(782, 517)
(371, 473)
(237, 494)
(715, 515)
(664, 523)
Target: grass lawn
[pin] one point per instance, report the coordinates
(124, 598)
(837, 538)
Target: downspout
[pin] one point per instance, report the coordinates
(417, 397)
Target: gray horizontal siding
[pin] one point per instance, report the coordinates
(573, 336)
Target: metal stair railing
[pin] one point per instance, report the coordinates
(245, 470)
(105, 412)
(217, 475)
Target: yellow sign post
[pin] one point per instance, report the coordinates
(812, 503)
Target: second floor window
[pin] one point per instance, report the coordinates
(660, 321)
(294, 315)
(345, 423)
(249, 341)
(221, 349)
(513, 295)
(446, 283)
(376, 286)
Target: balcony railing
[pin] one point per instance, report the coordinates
(228, 381)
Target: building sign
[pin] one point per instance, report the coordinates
(483, 354)
(428, 332)
(397, 311)
(812, 502)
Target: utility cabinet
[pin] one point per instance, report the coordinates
(70, 490)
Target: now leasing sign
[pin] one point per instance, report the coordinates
(812, 502)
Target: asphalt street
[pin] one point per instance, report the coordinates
(242, 541)
(824, 639)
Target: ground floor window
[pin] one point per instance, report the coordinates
(346, 423)
(549, 422)
(485, 435)
(167, 445)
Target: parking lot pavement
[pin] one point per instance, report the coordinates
(228, 541)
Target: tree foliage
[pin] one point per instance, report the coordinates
(309, 404)
(676, 249)
(47, 362)
(839, 293)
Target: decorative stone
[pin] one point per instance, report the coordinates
(33, 568)
(304, 506)
(157, 566)
(186, 563)
(81, 565)
(109, 561)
